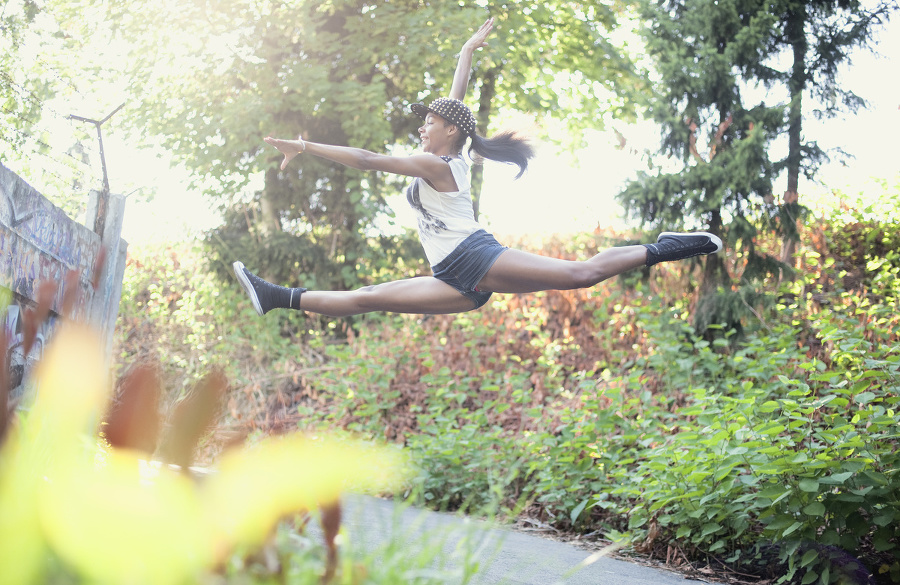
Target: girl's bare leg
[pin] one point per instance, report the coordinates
(516, 271)
(423, 295)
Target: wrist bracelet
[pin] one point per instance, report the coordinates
(303, 144)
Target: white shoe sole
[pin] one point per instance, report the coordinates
(712, 237)
(248, 288)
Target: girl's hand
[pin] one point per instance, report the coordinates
(478, 39)
(290, 148)
(464, 66)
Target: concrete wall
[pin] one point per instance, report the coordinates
(38, 241)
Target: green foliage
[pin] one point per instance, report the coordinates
(758, 454)
(768, 452)
(537, 43)
(182, 318)
(37, 44)
(18, 112)
(861, 238)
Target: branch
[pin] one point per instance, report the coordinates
(719, 134)
(717, 140)
(692, 141)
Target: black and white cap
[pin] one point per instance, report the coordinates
(454, 111)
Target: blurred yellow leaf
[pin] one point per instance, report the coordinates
(256, 487)
(21, 543)
(113, 526)
(71, 384)
(73, 387)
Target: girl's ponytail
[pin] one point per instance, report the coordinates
(506, 146)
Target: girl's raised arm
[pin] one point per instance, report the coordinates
(464, 66)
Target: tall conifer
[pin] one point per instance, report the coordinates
(731, 80)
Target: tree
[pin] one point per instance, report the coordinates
(19, 111)
(339, 72)
(819, 37)
(702, 51)
(555, 60)
(709, 55)
(37, 75)
(214, 82)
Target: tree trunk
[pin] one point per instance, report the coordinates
(714, 272)
(485, 100)
(796, 34)
(269, 221)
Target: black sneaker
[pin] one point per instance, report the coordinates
(264, 295)
(675, 246)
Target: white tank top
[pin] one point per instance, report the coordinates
(444, 219)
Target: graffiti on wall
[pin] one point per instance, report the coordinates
(21, 365)
(38, 242)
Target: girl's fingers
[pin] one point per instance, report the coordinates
(287, 158)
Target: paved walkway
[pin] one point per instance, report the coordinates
(496, 556)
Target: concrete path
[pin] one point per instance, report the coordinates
(488, 554)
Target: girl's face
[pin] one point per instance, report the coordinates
(435, 133)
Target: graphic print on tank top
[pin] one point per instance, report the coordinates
(428, 223)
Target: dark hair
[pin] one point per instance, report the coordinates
(507, 146)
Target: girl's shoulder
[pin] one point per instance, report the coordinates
(460, 171)
(453, 159)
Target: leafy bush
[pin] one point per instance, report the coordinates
(178, 317)
(607, 411)
(775, 447)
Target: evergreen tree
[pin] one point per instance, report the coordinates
(710, 55)
(818, 37)
(702, 50)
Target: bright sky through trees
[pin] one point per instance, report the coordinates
(554, 196)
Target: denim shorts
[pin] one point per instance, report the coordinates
(465, 266)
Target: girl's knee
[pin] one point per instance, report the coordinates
(366, 299)
(584, 275)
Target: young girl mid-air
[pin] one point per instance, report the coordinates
(468, 264)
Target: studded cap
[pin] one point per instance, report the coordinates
(454, 111)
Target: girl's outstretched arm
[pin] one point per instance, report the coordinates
(427, 166)
(464, 66)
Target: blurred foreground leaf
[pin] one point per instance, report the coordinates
(63, 493)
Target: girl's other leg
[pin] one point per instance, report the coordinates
(516, 271)
(422, 295)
